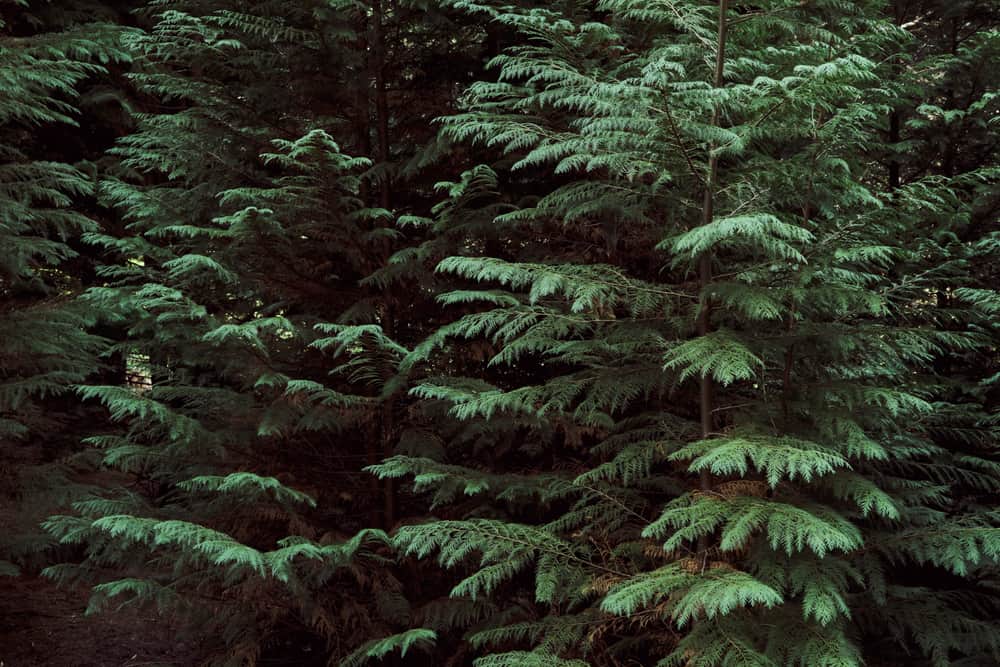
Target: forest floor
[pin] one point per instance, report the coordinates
(42, 625)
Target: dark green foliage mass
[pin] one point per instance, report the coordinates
(560, 334)
(53, 66)
(751, 443)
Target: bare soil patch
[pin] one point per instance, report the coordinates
(42, 625)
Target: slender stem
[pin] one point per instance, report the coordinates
(378, 65)
(707, 389)
(680, 144)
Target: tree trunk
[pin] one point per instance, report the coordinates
(377, 63)
(707, 393)
(381, 99)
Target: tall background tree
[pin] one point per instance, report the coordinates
(241, 268)
(57, 116)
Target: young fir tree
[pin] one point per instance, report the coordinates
(942, 170)
(708, 428)
(244, 230)
(241, 286)
(48, 56)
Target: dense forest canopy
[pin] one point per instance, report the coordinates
(621, 333)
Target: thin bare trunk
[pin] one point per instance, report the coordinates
(377, 64)
(707, 394)
(706, 398)
(894, 136)
(362, 103)
(388, 445)
(381, 99)
(388, 428)
(894, 167)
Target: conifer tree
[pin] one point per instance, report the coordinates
(726, 451)
(243, 229)
(48, 57)
(692, 361)
(240, 285)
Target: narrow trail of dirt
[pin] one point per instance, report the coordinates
(42, 625)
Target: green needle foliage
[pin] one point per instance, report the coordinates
(240, 210)
(711, 320)
(257, 351)
(50, 61)
(610, 332)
